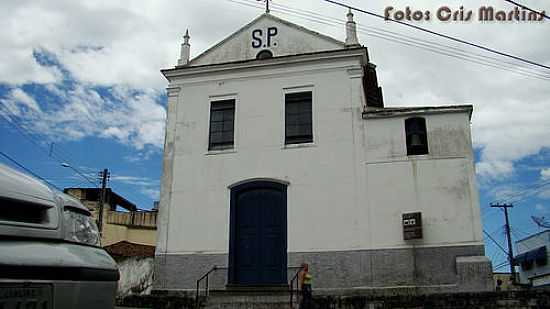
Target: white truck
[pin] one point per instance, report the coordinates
(50, 253)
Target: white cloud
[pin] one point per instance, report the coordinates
(18, 101)
(147, 186)
(99, 42)
(133, 117)
(134, 180)
(545, 173)
(141, 156)
(154, 194)
(544, 194)
(20, 96)
(506, 191)
(20, 67)
(542, 209)
(494, 169)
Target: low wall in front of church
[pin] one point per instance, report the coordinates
(430, 269)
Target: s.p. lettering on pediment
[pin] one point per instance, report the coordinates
(266, 35)
(264, 38)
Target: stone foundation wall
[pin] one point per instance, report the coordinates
(136, 275)
(461, 268)
(528, 299)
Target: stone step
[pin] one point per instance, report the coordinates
(254, 305)
(248, 299)
(249, 296)
(259, 291)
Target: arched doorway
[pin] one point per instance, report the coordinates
(258, 234)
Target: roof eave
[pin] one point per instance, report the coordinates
(254, 63)
(388, 112)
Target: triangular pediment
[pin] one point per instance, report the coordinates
(267, 32)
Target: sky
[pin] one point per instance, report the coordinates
(80, 88)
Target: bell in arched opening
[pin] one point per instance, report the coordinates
(417, 141)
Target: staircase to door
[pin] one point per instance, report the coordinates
(258, 298)
(274, 297)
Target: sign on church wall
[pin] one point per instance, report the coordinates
(412, 225)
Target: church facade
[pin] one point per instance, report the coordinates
(279, 151)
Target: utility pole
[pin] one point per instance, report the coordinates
(104, 177)
(508, 236)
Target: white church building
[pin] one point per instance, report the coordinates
(279, 151)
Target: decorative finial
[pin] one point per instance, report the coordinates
(351, 31)
(350, 15)
(186, 37)
(185, 49)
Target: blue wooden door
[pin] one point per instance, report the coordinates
(258, 234)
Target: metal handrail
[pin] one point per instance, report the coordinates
(291, 285)
(214, 268)
(206, 289)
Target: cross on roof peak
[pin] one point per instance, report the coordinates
(266, 5)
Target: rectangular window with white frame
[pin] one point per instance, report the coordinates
(222, 125)
(298, 117)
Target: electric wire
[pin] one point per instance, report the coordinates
(529, 195)
(502, 265)
(485, 48)
(527, 8)
(30, 137)
(25, 133)
(408, 38)
(515, 233)
(495, 242)
(411, 41)
(497, 255)
(12, 160)
(522, 195)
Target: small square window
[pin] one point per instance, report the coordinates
(222, 115)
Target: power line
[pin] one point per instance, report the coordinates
(28, 170)
(25, 133)
(499, 257)
(503, 264)
(488, 49)
(515, 233)
(495, 242)
(529, 9)
(410, 41)
(524, 194)
(387, 32)
(530, 194)
(34, 140)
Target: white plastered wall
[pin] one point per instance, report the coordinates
(347, 191)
